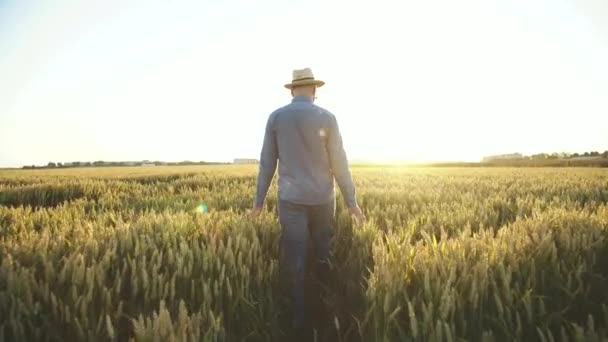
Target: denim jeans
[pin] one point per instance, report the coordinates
(301, 224)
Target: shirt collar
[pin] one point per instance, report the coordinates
(302, 99)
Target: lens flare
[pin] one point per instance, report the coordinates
(201, 208)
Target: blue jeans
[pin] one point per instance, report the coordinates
(301, 224)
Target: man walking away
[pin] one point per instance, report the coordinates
(306, 141)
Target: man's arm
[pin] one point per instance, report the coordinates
(268, 163)
(339, 163)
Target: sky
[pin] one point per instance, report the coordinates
(196, 80)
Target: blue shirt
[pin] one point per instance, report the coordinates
(305, 141)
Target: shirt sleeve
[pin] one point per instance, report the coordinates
(339, 163)
(268, 163)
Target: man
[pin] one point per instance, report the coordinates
(306, 141)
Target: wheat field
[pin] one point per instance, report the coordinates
(448, 254)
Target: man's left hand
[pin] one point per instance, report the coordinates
(256, 211)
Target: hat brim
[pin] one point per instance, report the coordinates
(304, 83)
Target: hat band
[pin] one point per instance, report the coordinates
(303, 79)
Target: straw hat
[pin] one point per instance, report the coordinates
(303, 77)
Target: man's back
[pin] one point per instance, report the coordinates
(306, 140)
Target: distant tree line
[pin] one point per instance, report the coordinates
(569, 155)
(590, 159)
(100, 163)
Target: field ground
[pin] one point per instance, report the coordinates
(448, 254)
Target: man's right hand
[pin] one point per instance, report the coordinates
(357, 214)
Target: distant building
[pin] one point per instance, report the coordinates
(512, 156)
(245, 161)
(148, 164)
